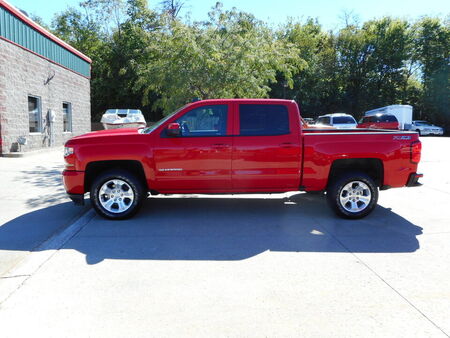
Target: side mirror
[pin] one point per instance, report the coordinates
(173, 130)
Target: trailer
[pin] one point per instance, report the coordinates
(403, 113)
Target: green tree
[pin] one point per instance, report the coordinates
(315, 85)
(230, 55)
(433, 52)
(157, 61)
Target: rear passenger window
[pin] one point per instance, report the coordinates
(263, 119)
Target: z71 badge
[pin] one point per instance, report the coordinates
(402, 137)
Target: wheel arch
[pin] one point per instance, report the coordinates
(94, 169)
(373, 167)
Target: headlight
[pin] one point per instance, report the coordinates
(68, 151)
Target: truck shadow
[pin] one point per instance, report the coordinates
(205, 228)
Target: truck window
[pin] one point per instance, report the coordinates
(326, 120)
(263, 119)
(343, 120)
(389, 118)
(205, 121)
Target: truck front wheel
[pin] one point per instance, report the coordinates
(116, 194)
(352, 195)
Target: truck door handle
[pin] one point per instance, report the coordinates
(287, 145)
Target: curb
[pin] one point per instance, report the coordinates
(20, 154)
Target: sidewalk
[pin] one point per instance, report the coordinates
(33, 204)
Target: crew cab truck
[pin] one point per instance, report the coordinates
(238, 146)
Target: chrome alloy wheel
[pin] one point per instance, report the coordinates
(116, 196)
(355, 196)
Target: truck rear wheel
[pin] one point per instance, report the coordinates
(352, 195)
(116, 194)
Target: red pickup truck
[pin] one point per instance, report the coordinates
(238, 146)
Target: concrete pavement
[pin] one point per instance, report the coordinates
(33, 204)
(259, 265)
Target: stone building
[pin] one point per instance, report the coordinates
(44, 86)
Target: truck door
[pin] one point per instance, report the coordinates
(200, 158)
(266, 148)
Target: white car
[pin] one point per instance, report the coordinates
(339, 121)
(426, 128)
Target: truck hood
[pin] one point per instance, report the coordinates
(104, 133)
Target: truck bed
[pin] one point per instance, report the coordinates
(390, 148)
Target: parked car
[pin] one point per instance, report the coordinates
(403, 113)
(426, 128)
(238, 146)
(379, 121)
(339, 121)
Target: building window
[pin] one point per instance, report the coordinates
(34, 113)
(67, 117)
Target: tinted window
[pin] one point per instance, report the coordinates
(388, 118)
(34, 114)
(67, 117)
(366, 119)
(205, 121)
(263, 119)
(323, 120)
(343, 120)
(422, 123)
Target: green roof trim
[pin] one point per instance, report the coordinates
(17, 31)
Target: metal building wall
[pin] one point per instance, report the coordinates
(15, 30)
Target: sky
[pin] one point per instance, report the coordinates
(329, 12)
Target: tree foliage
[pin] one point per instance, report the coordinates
(230, 55)
(156, 60)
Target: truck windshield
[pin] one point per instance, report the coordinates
(148, 130)
(343, 120)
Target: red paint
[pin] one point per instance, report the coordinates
(380, 125)
(73, 181)
(231, 163)
(375, 122)
(416, 150)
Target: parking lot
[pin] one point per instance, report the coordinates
(248, 265)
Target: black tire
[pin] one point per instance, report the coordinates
(361, 203)
(131, 203)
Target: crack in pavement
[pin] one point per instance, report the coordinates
(16, 276)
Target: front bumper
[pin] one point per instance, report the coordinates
(73, 181)
(413, 180)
